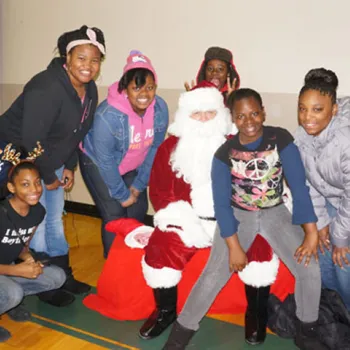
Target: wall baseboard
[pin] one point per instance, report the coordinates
(91, 210)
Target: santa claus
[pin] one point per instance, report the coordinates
(181, 194)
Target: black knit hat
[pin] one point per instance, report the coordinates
(218, 53)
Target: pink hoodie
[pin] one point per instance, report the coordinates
(141, 131)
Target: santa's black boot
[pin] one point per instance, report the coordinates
(164, 314)
(307, 337)
(256, 314)
(179, 337)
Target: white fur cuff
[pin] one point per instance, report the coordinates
(260, 274)
(160, 278)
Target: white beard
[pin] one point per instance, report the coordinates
(192, 159)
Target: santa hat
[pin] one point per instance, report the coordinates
(221, 54)
(201, 99)
(263, 264)
(137, 60)
(136, 234)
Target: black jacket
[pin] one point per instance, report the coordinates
(49, 110)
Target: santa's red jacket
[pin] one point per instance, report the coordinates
(179, 232)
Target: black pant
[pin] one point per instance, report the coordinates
(108, 207)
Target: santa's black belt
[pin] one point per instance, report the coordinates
(208, 218)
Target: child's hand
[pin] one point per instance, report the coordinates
(28, 269)
(237, 259)
(308, 248)
(67, 179)
(339, 255)
(134, 191)
(54, 186)
(130, 201)
(231, 87)
(188, 87)
(324, 241)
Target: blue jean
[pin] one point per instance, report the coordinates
(13, 289)
(108, 207)
(333, 277)
(49, 236)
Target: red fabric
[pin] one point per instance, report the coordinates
(122, 292)
(260, 250)
(166, 249)
(164, 187)
(123, 226)
(203, 84)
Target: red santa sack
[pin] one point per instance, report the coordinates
(123, 294)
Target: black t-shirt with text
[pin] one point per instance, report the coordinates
(12, 225)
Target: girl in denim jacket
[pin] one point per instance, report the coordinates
(118, 152)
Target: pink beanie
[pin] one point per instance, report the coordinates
(137, 60)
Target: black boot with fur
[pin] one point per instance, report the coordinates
(256, 314)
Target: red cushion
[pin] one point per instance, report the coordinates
(122, 292)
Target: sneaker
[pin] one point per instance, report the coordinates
(19, 314)
(4, 334)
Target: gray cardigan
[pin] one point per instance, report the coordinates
(327, 164)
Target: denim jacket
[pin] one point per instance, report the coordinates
(107, 143)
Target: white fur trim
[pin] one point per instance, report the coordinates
(260, 274)
(234, 129)
(181, 214)
(202, 198)
(130, 240)
(165, 277)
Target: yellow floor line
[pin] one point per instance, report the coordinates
(85, 333)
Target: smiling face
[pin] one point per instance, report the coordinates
(249, 117)
(26, 187)
(216, 73)
(83, 64)
(315, 111)
(141, 97)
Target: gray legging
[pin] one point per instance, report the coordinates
(275, 225)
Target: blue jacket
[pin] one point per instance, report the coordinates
(107, 143)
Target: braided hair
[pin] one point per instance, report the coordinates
(323, 80)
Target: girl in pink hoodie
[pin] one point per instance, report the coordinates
(118, 152)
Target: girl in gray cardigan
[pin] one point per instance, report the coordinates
(323, 138)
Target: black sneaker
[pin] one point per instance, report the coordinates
(19, 314)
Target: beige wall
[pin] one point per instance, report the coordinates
(274, 44)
